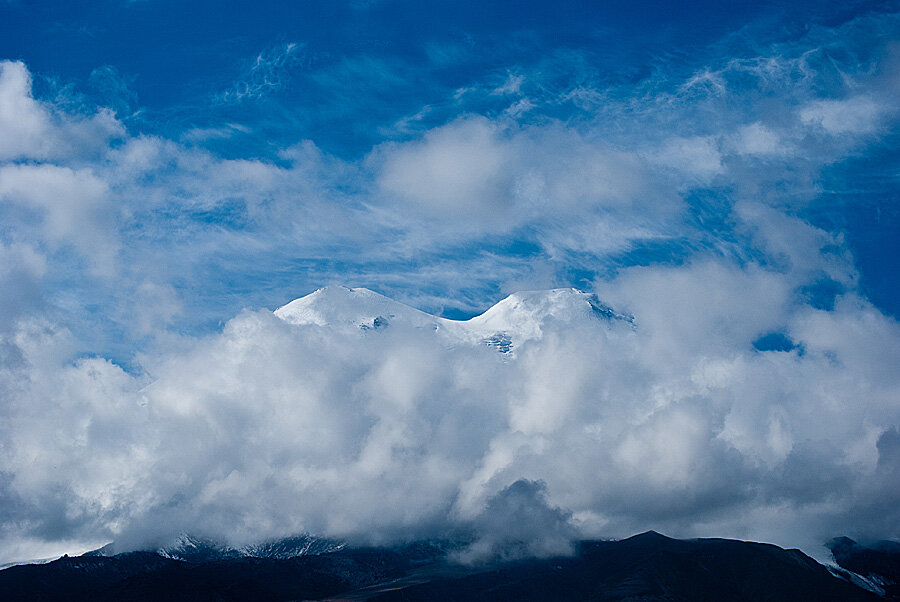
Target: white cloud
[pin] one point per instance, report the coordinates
(198, 135)
(512, 85)
(269, 428)
(697, 156)
(856, 115)
(73, 205)
(267, 73)
(474, 176)
(29, 129)
(455, 172)
(151, 308)
(21, 269)
(24, 125)
(758, 140)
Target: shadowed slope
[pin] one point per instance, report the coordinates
(649, 566)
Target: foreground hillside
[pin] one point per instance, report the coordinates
(646, 567)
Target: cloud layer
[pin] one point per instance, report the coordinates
(270, 428)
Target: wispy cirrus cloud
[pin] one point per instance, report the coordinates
(266, 74)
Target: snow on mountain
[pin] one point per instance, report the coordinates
(8, 565)
(517, 318)
(196, 549)
(340, 306)
(191, 548)
(523, 314)
(291, 547)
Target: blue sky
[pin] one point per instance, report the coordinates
(247, 81)
(250, 80)
(725, 171)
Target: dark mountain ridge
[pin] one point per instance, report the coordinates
(649, 566)
(878, 562)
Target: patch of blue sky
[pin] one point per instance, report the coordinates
(776, 341)
(822, 293)
(860, 198)
(651, 252)
(343, 75)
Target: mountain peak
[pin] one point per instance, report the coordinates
(338, 305)
(518, 318)
(525, 312)
(649, 536)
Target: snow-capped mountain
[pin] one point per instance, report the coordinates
(191, 548)
(197, 549)
(340, 306)
(523, 314)
(508, 324)
(292, 547)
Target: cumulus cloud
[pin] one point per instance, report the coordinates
(458, 170)
(30, 129)
(518, 522)
(74, 207)
(269, 428)
(477, 176)
(23, 122)
(21, 269)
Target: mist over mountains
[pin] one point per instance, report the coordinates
(648, 566)
(554, 416)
